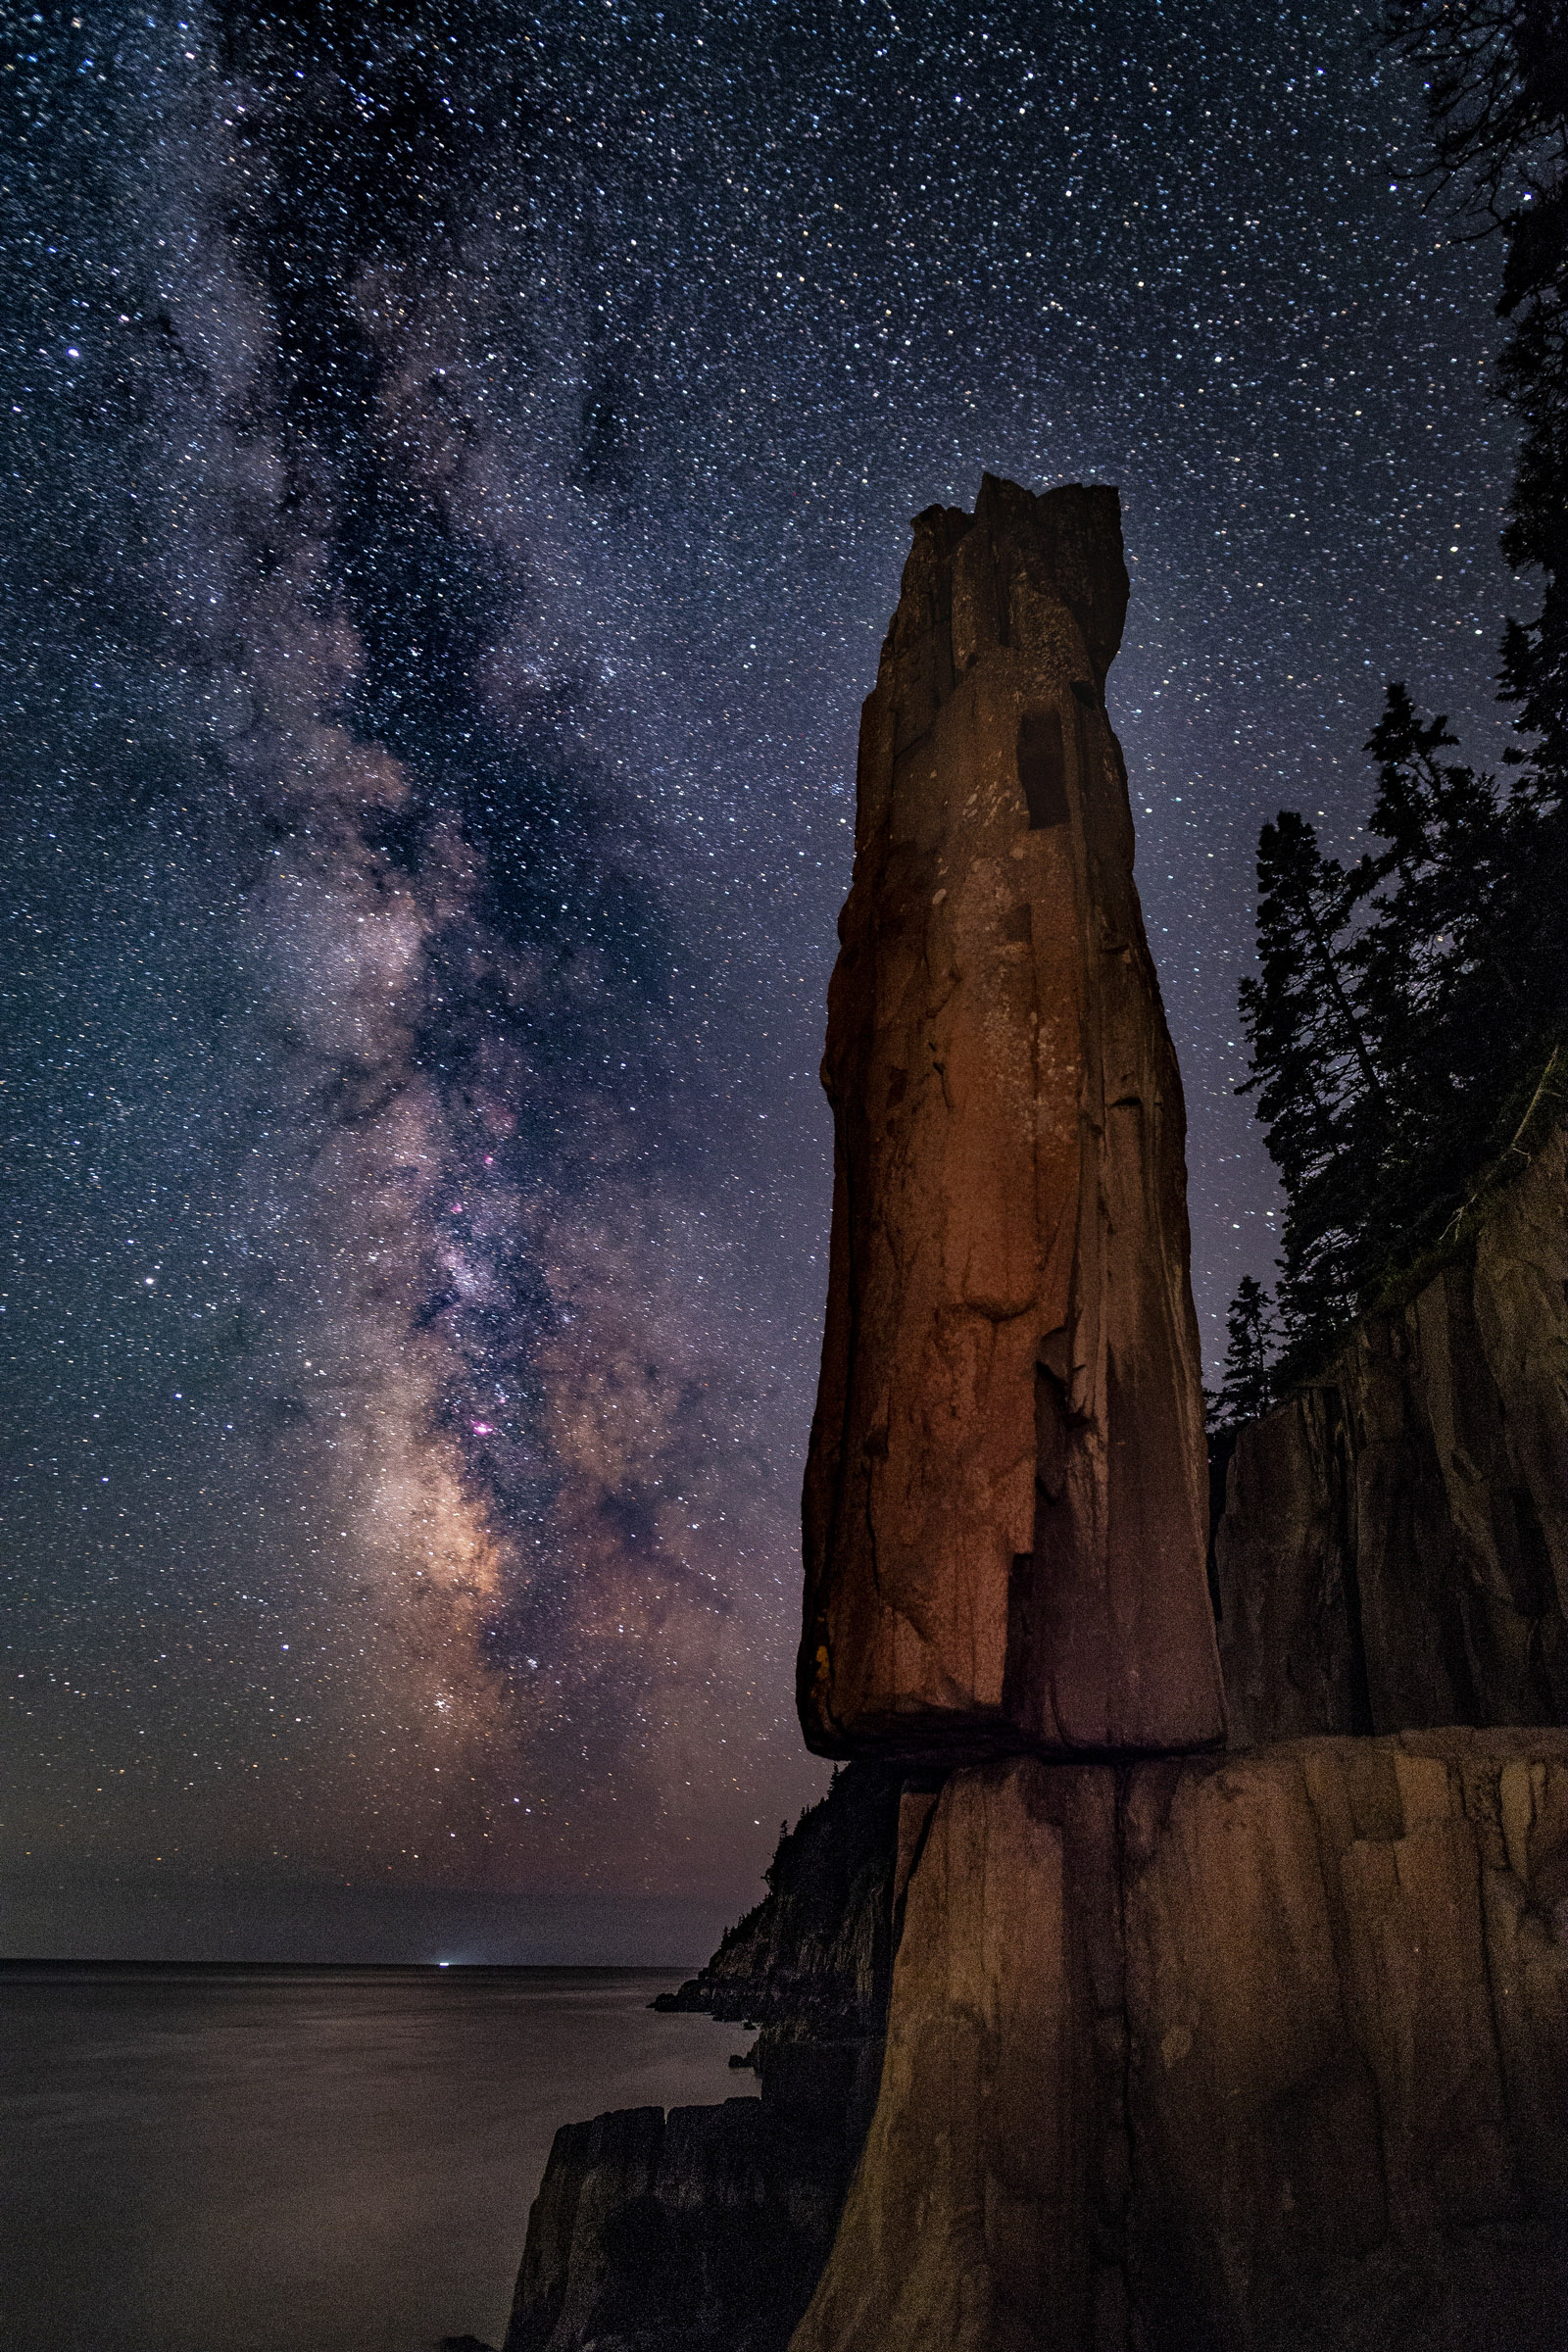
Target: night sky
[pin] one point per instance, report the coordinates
(459, 467)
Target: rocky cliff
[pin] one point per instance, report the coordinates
(700, 2230)
(1064, 2045)
(1006, 1509)
(706, 2230)
(1205, 2056)
(1266, 2055)
(1394, 1549)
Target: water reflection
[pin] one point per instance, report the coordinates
(301, 2159)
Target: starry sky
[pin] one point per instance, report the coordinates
(459, 464)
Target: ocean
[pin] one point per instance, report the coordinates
(303, 2159)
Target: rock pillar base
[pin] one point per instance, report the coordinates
(1246, 2055)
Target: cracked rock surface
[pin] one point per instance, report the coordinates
(1243, 2055)
(1005, 1511)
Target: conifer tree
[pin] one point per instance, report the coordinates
(1494, 75)
(1432, 975)
(1321, 1099)
(1248, 1387)
(1410, 1015)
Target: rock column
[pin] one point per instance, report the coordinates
(1004, 1508)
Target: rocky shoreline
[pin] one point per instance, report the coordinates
(706, 2229)
(1337, 2118)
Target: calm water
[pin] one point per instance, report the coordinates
(301, 2159)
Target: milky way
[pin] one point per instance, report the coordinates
(460, 466)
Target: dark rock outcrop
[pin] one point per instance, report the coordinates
(697, 2231)
(1208, 2056)
(1394, 1549)
(1004, 1509)
(705, 2230)
(811, 1965)
(1266, 2055)
(813, 1955)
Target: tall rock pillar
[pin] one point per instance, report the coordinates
(1005, 1498)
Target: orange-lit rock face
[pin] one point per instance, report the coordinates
(1208, 2055)
(1004, 1500)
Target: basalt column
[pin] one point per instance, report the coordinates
(1004, 1501)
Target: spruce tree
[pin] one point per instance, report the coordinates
(1248, 1387)
(1494, 75)
(1434, 978)
(1321, 1098)
(1411, 1015)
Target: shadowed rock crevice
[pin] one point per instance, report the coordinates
(1042, 770)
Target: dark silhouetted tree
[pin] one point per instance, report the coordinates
(1321, 1099)
(1494, 75)
(1432, 976)
(1409, 1015)
(1403, 1011)
(1252, 1345)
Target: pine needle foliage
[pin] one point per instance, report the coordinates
(1252, 1347)
(1408, 1022)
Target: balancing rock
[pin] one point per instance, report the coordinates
(1004, 1509)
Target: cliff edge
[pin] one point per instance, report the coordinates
(1393, 1547)
(706, 2229)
